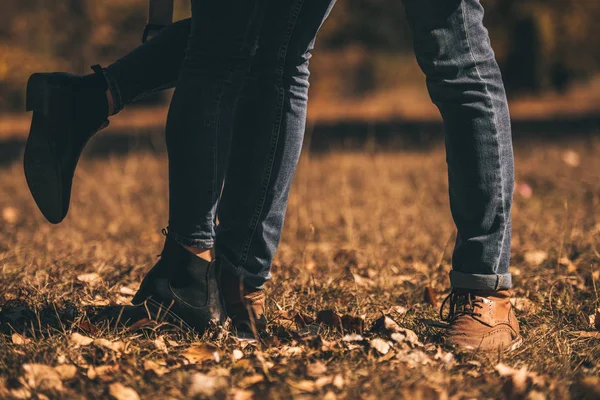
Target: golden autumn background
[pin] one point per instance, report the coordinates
(365, 66)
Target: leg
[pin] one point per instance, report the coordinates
(453, 49)
(149, 68)
(222, 43)
(223, 40)
(269, 129)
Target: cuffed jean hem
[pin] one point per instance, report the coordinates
(250, 280)
(113, 87)
(195, 243)
(461, 280)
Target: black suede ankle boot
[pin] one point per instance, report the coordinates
(183, 288)
(67, 111)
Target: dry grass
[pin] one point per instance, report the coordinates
(366, 234)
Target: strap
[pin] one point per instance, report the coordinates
(160, 14)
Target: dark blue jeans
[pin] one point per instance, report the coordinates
(452, 48)
(240, 68)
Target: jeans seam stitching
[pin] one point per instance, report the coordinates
(496, 131)
(275, 133)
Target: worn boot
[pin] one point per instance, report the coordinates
(183, 288)
(67, 111)
(481, 320)
(245, 307)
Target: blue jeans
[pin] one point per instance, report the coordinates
(453, 49)
(236, 122)
(463, 78)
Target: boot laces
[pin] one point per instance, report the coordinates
(461, 302)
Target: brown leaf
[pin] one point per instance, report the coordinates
(200, 352)
(316, 369)
(241, 394)
(206, 385)
(535, 257)
(160, 344)
(20, 339)
(338, 382)
(238, 355)
(362, 281)
(518, 379)
(66, 372)
(407, 336)
(42, 377)
(303, 386)
(251, 380)
(329, 318)
(380, 345)
(430, 297)
(590, 385)
(116, 346)
(291, 351)
(78, 339)
(155, 367)
(103, 372)
(88, 327)
(91, 278)
(597, 319)
(353, 337)
(121, 392)
(353, 324)
(386, 324)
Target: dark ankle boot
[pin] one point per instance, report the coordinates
(67, 111)
(245, 306)
(184, 288)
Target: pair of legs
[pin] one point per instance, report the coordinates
(248, 126)
(240, 69)
(464, 81)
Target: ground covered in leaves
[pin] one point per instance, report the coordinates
(353, 304)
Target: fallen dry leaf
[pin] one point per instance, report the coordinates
(303, 386)
(127, 291)
(238, 354)
(323, 381)
(535, 257)
(353, 337)
(590, 385)
(155, 367)
(104, 372)
(429, 297)
(91, 278)
(251, 380)
(206, 385)
(406, 336)
(329, 318)
(122, 392)
(200, 352)
(362, 281)
(88, 327)
(116, 346)
(519, 379)
(241, 394)
(353, 324)
(66, 372)
(19, 339)
(597, 319)
(316, 369)
(160, 344)
(382, 346)
(291, 351)
(338, 381)
(78, 339)
(41, 377)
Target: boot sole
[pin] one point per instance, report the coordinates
(43, 172)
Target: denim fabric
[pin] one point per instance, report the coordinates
(453, 49)
(239, 111)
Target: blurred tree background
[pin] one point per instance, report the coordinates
(542, 45)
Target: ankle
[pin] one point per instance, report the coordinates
(205, 254)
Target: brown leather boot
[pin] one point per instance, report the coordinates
(481, 320)
(245, 307)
